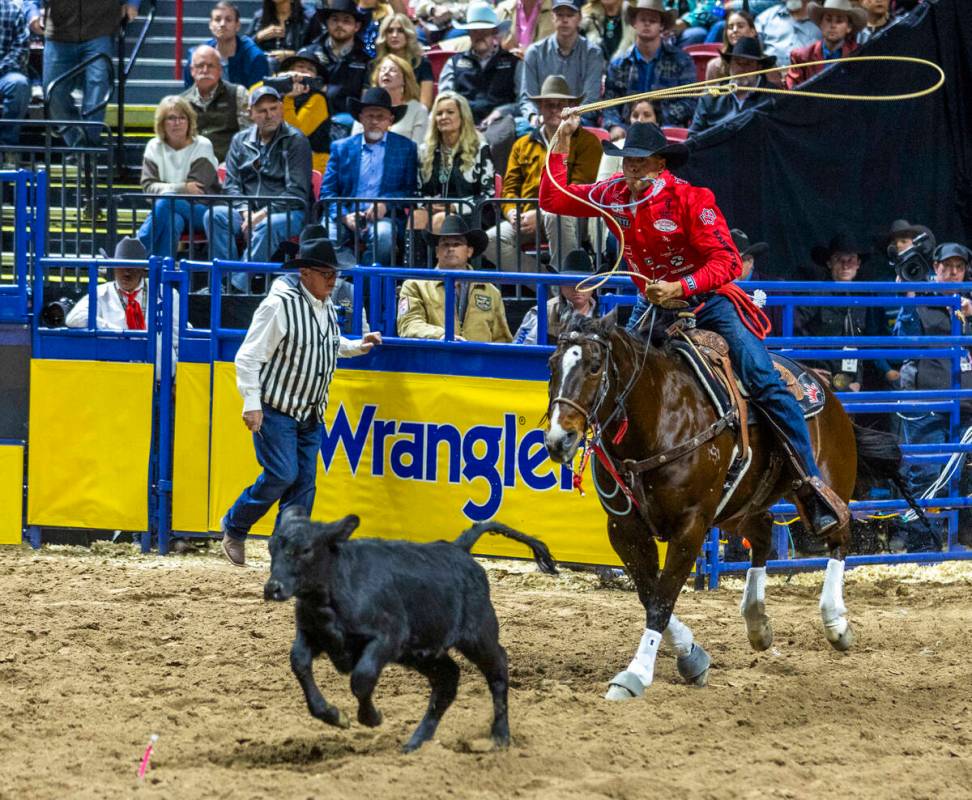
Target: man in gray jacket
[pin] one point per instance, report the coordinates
(270, 159)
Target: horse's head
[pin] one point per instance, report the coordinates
(578, 383)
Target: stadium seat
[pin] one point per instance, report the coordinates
(437, 58)
(676, 134)
(702, 54)
(600, 133)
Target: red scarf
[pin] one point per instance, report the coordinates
(134, 317)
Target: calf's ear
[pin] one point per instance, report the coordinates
(346, 527)
(292, 512)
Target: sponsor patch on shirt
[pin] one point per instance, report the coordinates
(677, 261)
(403, 306)
(483, 302)
(665, 225)
(708, 216)
(623, 221)
(690, 282)
(464, 63)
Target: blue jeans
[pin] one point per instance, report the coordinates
(59, 57)
(288, 451)
(14, 98)
(264, 239)
(378, 240)
(160, 232)
(756, 372)
(931, 428)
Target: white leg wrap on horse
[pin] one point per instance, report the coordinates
(678, 636)
(755, 589)
(643, 664)
(832, 608)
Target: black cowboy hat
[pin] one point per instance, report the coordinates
(375, 96)
(315, 251)
(308, 54)
(743, 245)
(342, 7)
(646, 139)
(841, 243)
(748, 47)
(901, 227)
(454, 225)
(576, 262)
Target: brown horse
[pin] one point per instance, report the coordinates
(603, 378)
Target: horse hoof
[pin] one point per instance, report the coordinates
(761, 639)
(625, 686)
(842, 641)
(694, 668)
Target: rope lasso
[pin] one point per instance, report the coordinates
(717, 87)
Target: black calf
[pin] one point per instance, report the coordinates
(369, 602)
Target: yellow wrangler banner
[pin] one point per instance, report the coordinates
(11, 493)
(423, 456)
(190, 449)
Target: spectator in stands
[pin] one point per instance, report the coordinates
(177, 161)
(480, 315)
(14, 86)
(902, 235)
(528, 21)
(565, 52)
(701, 23)
(787, 27)
(649, 64)
(242, 59)
(375, 12)
(121, 304)
(222, 109)
(345, 62)
(748, 252)
(739, 24)
(397, 37)
(878, 19)
(745, 56)
(282, 27)
(569, 300)
(839, 21)
(642, 111)
(523, 180)
(74, 31)
(374, 163)
(395, 76)
(35, 16)
(489, 78)
(603, 24)
(270, 159)
(300, 83)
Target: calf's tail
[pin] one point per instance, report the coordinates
(541, 553)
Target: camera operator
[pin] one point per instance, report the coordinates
(950, 264)
(302, 85)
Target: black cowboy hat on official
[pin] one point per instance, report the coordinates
(576, 262)
(308, 54)
(745, 247)
(375, 97)
(342, 7)
(749, 48)
(128, 249)
(902, 229)
(315, 251)
(857, 16)
(646, 139)
(482, 17)
(632, 8)
(555, 87)
(454, 225)
(841, 243)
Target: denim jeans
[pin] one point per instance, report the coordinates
(14, 98)
(931, 428)
(288, 451)
(378, 241)
(264, 239)
(59, 57)
(160, 232)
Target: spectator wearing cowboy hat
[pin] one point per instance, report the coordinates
(522, 179)
(345, 61)
(121, 304)
(839, 21)
(902, 235)
(300, 82)
(568, 300)
(294, 331)
(649, 64)
(746, 56)
(480, 315)
(564, 52)
(373, 163)
(748, 251)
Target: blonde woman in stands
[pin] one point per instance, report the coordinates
(397, 37)
(177, 161)
(395, 76)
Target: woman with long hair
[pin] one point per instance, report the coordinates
(177, 161)
(282, 27)
(738, 25)
(395, 76)
(397, 37)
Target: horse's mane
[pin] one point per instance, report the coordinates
(605, 326)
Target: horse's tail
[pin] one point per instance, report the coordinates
(879, 460)
(541, 553)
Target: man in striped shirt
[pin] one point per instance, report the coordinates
(283, 370)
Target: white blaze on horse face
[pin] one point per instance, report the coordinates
(571, 358)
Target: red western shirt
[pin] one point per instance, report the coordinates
(678, 235)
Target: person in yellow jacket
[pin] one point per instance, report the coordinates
(480, 314)
(302, 83)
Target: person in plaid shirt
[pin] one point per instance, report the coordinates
(14, 86)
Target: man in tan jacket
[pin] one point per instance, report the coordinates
(479, 314)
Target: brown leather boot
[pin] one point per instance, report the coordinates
(234, 550)
(824, 511)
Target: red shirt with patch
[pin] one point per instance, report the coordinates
(678, 235)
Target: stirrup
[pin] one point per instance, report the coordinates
(825, 511)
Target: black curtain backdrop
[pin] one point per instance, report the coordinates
(798, 170)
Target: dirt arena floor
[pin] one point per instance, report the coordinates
(101, 648)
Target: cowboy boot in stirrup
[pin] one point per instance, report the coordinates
(822, 510)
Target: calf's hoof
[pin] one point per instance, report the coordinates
(333, 715)
(840, 637)
(625, 686)
(761, 638)
(369, 716)
(694, 667)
